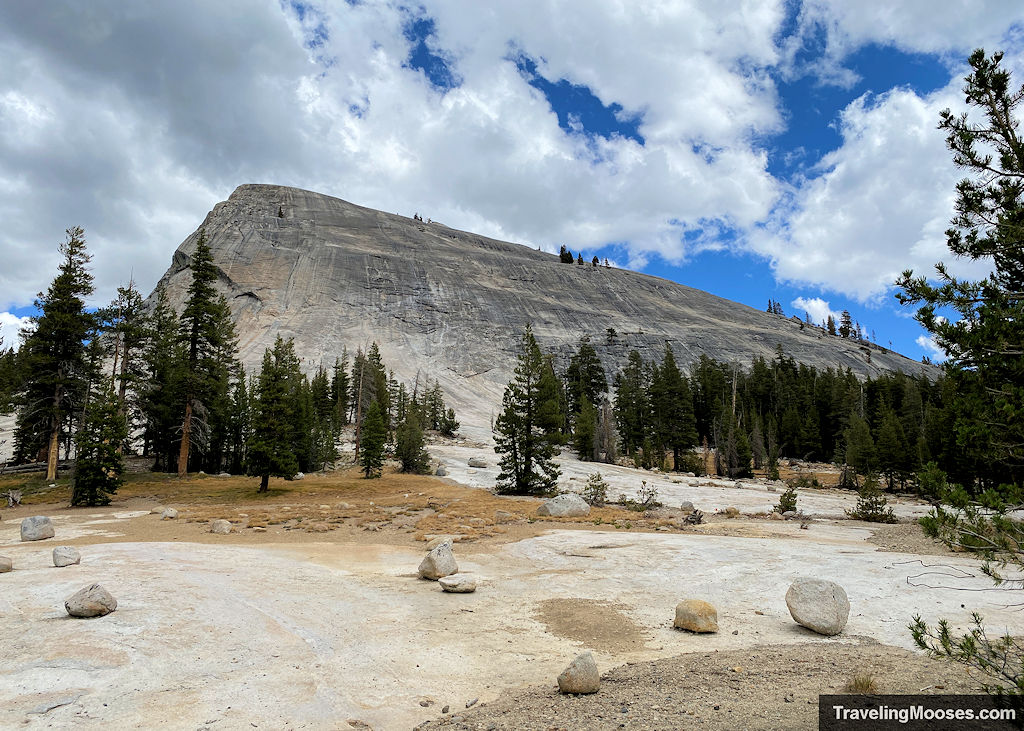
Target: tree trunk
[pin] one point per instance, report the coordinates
(264, 482)
(186, 440)
(51, 455)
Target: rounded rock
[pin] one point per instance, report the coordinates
(66, 556)
(818, 605)
(439, 562)
(220, 527)
(92, 601)
(6, 564)
(458, 584)
(581, 676)
(566, 505)
(36, 528)
(168, 514)
(695, 615)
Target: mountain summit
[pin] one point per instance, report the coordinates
(451, 305)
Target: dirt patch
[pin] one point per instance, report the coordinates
(907, 538)
(761, 687)
(595, 624)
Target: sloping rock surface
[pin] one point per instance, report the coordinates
(451, 305)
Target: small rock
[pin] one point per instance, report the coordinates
(36, 528)
(695, 615)
(439, 562)
(818, 605)
(223, 474)
(298, 476)
(458, 583)
(441, 471)
(687, 507)
(566, 505)
(477, 521)
(771, 489)
(92, 601)
(732, 512)
(65, 556)
(157, 510)
(581, 676)
(775, 516)
(259, 529)
(445, 709)
(318, 528)
(503, 516)
(470, 704)
(477, 462)
(6, 564)
(789, 514)
(169, 514)
(221, 527)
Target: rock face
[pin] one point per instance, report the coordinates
(568, 505)
(92, 601)
(581, 676)
(818, 605)
(331, 274)
(36, 528)
(6, 564)
(66, 556)
(695, 615)
(439, 562)
(458, 583)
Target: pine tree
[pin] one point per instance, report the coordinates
(374, 435)
(860, 447)
(526, 462)
(672, 409)
(54, 357)
(273, 445)
(632, 407)
(324, 434)
(340, 389)
(830, 325)
(209, 355)
(585, 430)
(410, 447)
(162, 396)
(127, 326)
(239, 425)
(99, 465)
(584, 376)
(845, 324)
(871, 503)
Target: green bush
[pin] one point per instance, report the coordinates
(787, 501)
(871, 503)
(596, 490)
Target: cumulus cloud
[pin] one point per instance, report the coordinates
(931, 348)
(133, 119)
(10, 327)
(818, 309)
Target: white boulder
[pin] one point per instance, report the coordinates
(92, 601)
(458, 583)
(566, 505)
(439, 562)
(818, 605)
(66, 556)
(581, 676)
(36, 528)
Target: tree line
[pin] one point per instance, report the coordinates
(96, 384)
(748, 418)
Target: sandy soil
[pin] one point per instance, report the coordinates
(309, 614)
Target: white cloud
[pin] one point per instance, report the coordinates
(817, 308)
(879, 205)
(10, 326)
(931, 348)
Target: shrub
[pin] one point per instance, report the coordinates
(647, 498)
(871, 503)
(931, 481)
(596, 490)
(691, 462)
(862, 684)
(787, 501)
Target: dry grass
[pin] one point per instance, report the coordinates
(422, 506)
(862, 684)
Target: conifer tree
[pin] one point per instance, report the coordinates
(584, 376)
(672, 409)
(55, 357)
(410, 447)
(99, 465)
(162, 395)
(526, 462)
(374, 436)
(585, 430)
(239, 424)
(340, 389)
(632, 407)
(273, 445)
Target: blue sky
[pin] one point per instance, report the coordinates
(758, 149)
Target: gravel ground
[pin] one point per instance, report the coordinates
(768, 687)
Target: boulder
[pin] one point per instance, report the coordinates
(581, 676)
(439, 562)
(477, 462)
(65, 556)
(818, 605)
(220, 527)
(567, 505)
(503, 516)
(732, 512)
(36, 528)
(157, 510)
(298, 476)
(441, 471)
(789, 514)
(695, 615)
(92, 601)
(6, 564)
(687, 507)
(169, 514)
(458, 583)
(775, 516)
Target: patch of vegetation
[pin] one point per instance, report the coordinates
(596, 491)
(862, 684)
(871, 503)
(646, 499)
(787, 501)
